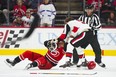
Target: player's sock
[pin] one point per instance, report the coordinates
(16, 60)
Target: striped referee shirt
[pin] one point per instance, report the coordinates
(93, 20)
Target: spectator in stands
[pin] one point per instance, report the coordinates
(105, 10)
(7, 13)
(19, 10)
(18, 22)
(33, 5)
(0, 12)
(114, 4)
(111, 19)
(96, 4)
(47, 13)
(27, 19)
(27, 3)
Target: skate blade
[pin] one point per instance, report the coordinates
(8, 64)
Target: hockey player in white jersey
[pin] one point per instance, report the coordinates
(80, 34)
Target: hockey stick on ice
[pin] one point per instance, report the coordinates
(60, 73)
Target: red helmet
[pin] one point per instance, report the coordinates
(91, 65)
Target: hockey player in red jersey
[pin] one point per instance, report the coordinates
(51, 59)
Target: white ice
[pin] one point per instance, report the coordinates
(19, 71)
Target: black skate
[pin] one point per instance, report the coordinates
(101, 65)
(9, 62)
(67, 64)
(29, 66)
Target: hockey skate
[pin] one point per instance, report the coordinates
(9, 63)
(101, 65)
(67, 64)
(29, 66)
(82, 62)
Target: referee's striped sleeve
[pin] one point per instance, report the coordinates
(81, 18)
(97, 21)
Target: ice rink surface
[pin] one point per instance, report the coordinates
(19, 71)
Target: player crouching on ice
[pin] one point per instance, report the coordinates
(51, 59)
(80, 34)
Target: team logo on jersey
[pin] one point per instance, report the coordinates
(55, 53)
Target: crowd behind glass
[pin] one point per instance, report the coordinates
(18, 12)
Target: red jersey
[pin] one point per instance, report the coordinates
(19, 11)
(56, 55)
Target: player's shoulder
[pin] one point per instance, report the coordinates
(72, 21)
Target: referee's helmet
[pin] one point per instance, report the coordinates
(89, 7)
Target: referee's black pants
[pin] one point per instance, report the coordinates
(95, 46)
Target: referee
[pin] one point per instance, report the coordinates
(94, 22)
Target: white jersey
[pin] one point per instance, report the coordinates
(47, 13)
(27, 21)
(77, 27)
(74, 28)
